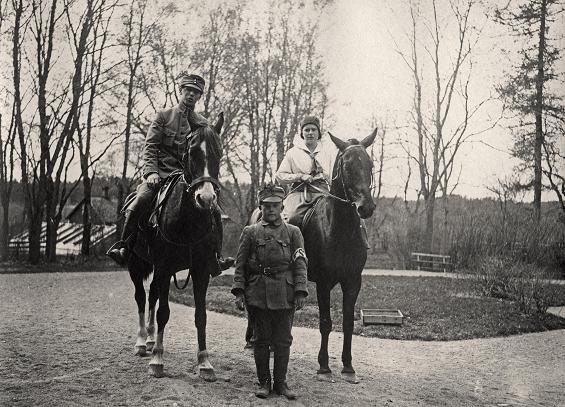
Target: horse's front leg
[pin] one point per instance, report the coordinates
(163, 312)
(200, 286)
(137, 279)
(350, 291)
(153, 297)
(323, 294)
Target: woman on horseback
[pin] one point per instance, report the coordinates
(306, 168)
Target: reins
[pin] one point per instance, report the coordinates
(339, 174)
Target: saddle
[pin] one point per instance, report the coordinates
(149, 221)
(160, 199)
(162, 196)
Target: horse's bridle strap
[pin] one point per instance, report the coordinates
(200, 180)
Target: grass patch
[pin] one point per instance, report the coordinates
(436, 308)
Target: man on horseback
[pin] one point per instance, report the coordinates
(165, 145)
(270, 277)
(306, 167)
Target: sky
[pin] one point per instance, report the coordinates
(367, 78)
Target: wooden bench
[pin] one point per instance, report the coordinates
(431, 262)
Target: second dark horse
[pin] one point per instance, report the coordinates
(335, 245)
(186, 238)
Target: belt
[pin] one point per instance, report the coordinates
(270, 271)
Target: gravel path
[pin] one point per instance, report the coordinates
(68, 340)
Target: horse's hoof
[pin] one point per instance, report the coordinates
(207, 374)
(156, 370)
(325, 375)
(350, 377)
(149, 346)
(140, 350)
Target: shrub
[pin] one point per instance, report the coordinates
(524, 283)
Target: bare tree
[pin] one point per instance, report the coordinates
(440, 137)
(134, 40)
(95, 76)
(7, 149)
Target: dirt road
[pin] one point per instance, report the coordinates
(67, 340)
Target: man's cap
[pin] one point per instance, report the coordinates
(192, 81)
(271, 193)
(311, 120)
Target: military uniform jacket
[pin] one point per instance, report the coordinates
(165, 142)
(278, 247)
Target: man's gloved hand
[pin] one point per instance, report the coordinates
(299, 301)
(240, 302)
(153, 180)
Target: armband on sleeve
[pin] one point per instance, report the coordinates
(299, 253)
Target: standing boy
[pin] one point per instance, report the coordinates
(270, 277)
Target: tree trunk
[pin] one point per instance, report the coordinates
(34, 237)
(540, 77)
(51, 233)
(5, 233)
(429, 234)
(86, 222)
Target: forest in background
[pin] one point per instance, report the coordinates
(86, 77)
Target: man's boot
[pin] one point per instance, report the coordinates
(261, 355)
(223, 263)
(279, 372)
(119, 252)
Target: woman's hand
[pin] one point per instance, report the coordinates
(306, 178)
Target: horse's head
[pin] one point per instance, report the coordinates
(202, 164)
(353, 173)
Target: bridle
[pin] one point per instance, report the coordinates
(198, 180)
(339, 174)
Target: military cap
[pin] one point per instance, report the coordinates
(271, 193)
(192, 81)
(311, 120)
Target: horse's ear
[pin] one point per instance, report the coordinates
(367, 141)
(340, 144)
(219, 123)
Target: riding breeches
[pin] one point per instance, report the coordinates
(272, 327)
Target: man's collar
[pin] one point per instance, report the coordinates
(276, 223)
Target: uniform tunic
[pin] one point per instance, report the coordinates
(278, 250)
(264, 245)
(166, 139)
(165, 144)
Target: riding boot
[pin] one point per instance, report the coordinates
(261, 355)
(279, 372)
(119, 252)
(223, 263)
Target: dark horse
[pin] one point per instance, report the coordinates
(186, 238)
(335, 245)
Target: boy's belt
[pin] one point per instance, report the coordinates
(269, 271)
